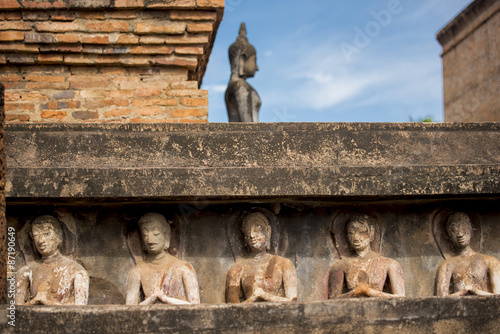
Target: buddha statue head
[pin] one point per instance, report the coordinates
(242, 56)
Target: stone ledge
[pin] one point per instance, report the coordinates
(405, 315)
(170, 161)
(466, 22)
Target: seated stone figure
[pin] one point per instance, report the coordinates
(161, 277)
(469, 272)
(54, 279)
(262, 276)
(366, 273)
(242, 101)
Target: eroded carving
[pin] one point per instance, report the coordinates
(364, 273)
(159, 276)
(467, 272)
(260, 276)
(54, 279)
(242, 101)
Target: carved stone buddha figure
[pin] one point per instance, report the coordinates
(366, 273)
(54, 279)
(242, 101)
(468, 272)
(161, 277)
(261, 276)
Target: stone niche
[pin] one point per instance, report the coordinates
(99, 179)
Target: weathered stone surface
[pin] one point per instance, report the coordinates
(330, 160)
(427, 315)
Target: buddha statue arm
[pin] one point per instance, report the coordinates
(233, 284)
(190, 287)
(395, 273)
(81, 287)
(494, 272)
(22, 285)
(443, 279)
(336, 282)
(133, 287)
(244, 101)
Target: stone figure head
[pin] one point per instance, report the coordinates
(47, 235)
(257, 231)
(459, 229)
(360, 232)
(242, 56)
(155, 233)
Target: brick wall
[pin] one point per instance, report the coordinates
(106, 61)
(471, 64)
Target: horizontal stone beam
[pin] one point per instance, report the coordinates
(168, 161)
(415, 315)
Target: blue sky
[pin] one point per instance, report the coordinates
(337, 61)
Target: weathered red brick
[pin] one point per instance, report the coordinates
(19, 106)
(47, 85)
(11, 36)
(35, 16)
(52, 114)
(179, 113)
(49, 105)
(127, 39)
(90, 81)
(192, 15)
(12, 96)
(147, 91)
(15, 25)
(117, 112)
(107, 26)
(90, 3)
(129, 3)
(85, 115)
(18, 47)
(33, 96)
(113, 70)
(84, 70)
(10, 77)
(79, 59)
(122, 14)
(69, 105)
(3, 60)
(210, 3)
(188, 120)
(67, 38)
(190, 63)
(152, 40)
(189, 50)
(121, 93)
(63, 16)
(148, 120)
(66, 94)
(57, 26)
(127, 82)
(43, 4)
(172, 4)
(21, 59)
(94, 93)
(148, 111)
(157, 28)
(44, 78)
(137, 60)
(9, 15)
(50, 59)
(185, 85)
(188, 39)
(108, 60)
(63, 48)
(91, 15)
(195, 102)
(17, 117)
(9, 4)
(95, 39)
(154, 102)
(151, 50)
(187, 92)
(200, 27)
(106, 103)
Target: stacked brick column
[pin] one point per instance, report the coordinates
(106, 61)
